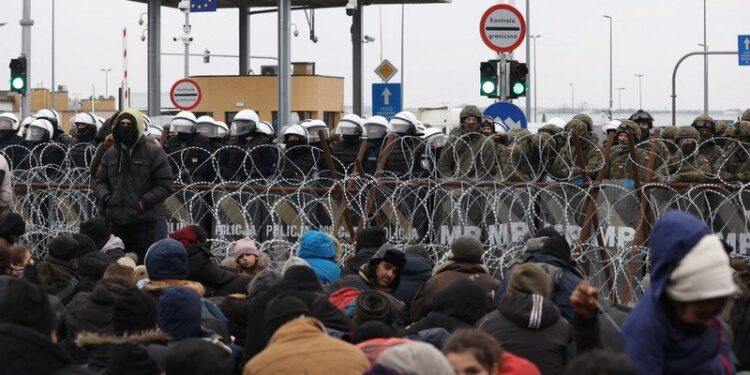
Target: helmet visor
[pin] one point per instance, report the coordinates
(347, 128)
(402, 127)
(641, 117)
(704, 124)
(35, 134)
(181, 126)
(375, 131)
(6, 123)
(209, 130)
(242, 127)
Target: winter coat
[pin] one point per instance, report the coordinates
(652, 343)
(565, 165)
(319, 251)
(346, 154)
(92, 311)
(736, 166)
(446, 274)
(620, 164)
(190, 158)
(467, 155)
(57, 280)
(565, 278)
(252, 157)
(460, 304)
(362, 256)
(695, 168)
(531, 327)
(597, 331)
(127, 177)
(99, 346)
(404, 161)
(313, 298)
(236, 308)
(26, 351)
(413, 278)
(302, 346)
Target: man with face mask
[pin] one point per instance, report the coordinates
(566, 163)
(84, 144)
(687, 165)
(646, 122)
(300, 161)
(207, 126)
(249, 152)
(706, 127)
(530, 157)
(9, 126)
(736, 166)
(620, 166)
(189, 151)
(58, 134)
(469, 154)
(43, 152)
(133, 179)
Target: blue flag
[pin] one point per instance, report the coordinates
(202, 6)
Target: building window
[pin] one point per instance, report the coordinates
(330, 119)
(229, 116)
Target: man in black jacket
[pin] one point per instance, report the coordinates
(133, 178)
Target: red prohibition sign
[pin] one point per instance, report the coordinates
(510, 27)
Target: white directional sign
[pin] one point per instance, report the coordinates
(386, 70)
(185, 94)
(502, 28)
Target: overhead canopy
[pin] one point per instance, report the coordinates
(299, 3)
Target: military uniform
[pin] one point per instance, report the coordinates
(468, 154)
(680, 168)
(736, 167)
(620, 166)
(530, 159)
(565, 165)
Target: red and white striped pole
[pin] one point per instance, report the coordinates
(125, 91)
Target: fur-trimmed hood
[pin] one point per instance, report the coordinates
(91, 339)
(156, 288)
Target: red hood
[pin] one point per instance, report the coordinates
(185, 235)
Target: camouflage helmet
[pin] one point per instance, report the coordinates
(686, 132)
(745, 115)
(517, 133)
(550, 129)
(704, 121)
(742, 129)
(577, 126)
(721, 127)
(470, 111)
(586, 120)
(642, 116)
(668, 132)
(628, 126)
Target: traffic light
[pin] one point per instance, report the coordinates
(206, 56)
(517, 74)
(488, 78)
(18, 75)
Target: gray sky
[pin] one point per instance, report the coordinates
(442, 48)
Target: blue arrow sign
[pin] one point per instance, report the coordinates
(386, 99)
(508, 113)
(743, 49)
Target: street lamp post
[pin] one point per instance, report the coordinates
(106, 81)
(705, 63)
(535, 78)
(619, 97)
(610, 65)
(640, 93)
(572, 97)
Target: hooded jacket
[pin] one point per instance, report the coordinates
(415, 274)
(319, 251)
(129, 176)
(92, 311)
(99, 346)
(366, 279)
(460, 304)
(302, 346)
(652, 343)
(531, 327)
(26, 351)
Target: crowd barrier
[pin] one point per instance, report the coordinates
(607, 222)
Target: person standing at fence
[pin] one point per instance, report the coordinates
(133, 179)
(250, 153)
(675, 328)
(706, 127)
(469, 154)
(9, 137)
(189, 151)
(620, 165)
(645, 121)
(351, 131)
(736, 166)
(566, 165)
(83, 148)
(687, 165)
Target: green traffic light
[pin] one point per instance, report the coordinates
(17, 83)
(488, 87)
(519, 88)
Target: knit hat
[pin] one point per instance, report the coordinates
(373, 329)
(62, 251)
(166, 260)
(373, 305)
(245, 246)
(180, 313)
(282, 309)
(92, 265)
(529, 278)
(371, 237)
(292, 262)
(131, 359)
(25, 304)
(12, 225)
(703, 273)
(263, 281)
(85, 245)
(302, 278)
(197, 356)
(467, 249)
(420, 251)
(97, 230)
(133, 311)
(417, 358)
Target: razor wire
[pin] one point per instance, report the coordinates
(498, 193)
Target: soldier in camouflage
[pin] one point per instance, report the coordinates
(667, 136)
(565, 165)
(531, 157)
(736, 167)
(620, 166)
(687, 165)
(468, 154)
(706, 126)
(646, 122)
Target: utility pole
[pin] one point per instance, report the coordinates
(640, 93)
(26, 23)
(106, 81)
(619, 96)
(52, 89)
(572, 97)
(534, 38)
(610, 66)
(705, 63)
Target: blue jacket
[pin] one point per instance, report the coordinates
(415, 274)
(651, 342)
(318, 250)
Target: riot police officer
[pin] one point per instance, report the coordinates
(350, 131)
(54, 118)
(250, 152)
(189, 152)
(9, 138)
(84, 143)
(207, 126)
